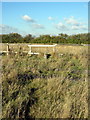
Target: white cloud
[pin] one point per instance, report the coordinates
(50, 18)
(61, 26)
(37, 26)
(27, 18)
(75, 24)
(80, 27)
(71, 21)
(6, 29)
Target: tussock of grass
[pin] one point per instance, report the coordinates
(61, 98)
(35, 87)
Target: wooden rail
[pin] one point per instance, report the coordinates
(8, 50)
(30, 46)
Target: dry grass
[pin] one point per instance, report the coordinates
(56, 87)
(61, 98)
(59, 48)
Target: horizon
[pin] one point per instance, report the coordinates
(39, 18)
(42, 34)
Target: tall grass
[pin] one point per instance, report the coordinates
(59, 48)
(57, 87)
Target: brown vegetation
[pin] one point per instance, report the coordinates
(57, 87)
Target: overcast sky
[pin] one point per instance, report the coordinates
(44, 17)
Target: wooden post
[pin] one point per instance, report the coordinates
(54, 50)
(45, 55)
(7, 48)
(30, 49)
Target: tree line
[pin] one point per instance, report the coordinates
(60, 38)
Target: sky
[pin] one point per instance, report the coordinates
(39, 18)
(45, 0)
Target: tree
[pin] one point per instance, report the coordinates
(61, 38)
(28, 38)
(12, 38)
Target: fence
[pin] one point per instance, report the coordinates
(9, 49)
(45, 46)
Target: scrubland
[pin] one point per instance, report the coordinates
(35, 87)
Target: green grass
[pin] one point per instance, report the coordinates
(35, 87)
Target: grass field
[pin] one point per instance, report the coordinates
(57, 87)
